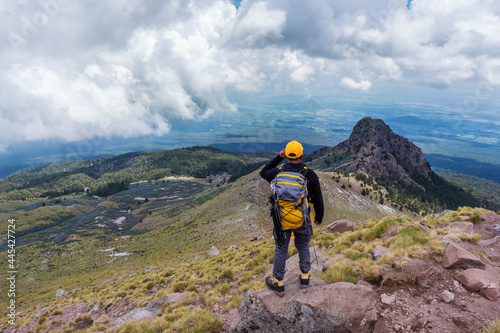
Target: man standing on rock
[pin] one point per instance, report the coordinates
(303, 232)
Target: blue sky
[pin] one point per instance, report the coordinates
(73, 70)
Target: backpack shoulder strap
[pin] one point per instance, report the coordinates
(304, 172)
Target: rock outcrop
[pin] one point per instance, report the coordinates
(338, 307)
(156, 305)
(340, 226)
(213, 251)
(134, 314)
(379, 251)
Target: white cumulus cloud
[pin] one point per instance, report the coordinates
(351, 83)
(73, 69)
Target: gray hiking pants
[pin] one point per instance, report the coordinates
(302, 238)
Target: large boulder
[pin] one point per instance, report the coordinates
(213, 252)
(403, 272)
(467, 226)
(340, 226)
(456, 257)
(484, 282)
(338, 307)
(134, 314)
(61, 292)
(331, 260)
(379, 251)
(156, 305)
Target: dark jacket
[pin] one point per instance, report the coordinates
(270, 171)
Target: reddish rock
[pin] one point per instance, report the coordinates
(457, 257)
(120, 308)
(381, 326)
(338, 307)
(493, 294)
(486, 227)
(484, 282)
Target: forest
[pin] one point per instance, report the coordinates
(106, 176)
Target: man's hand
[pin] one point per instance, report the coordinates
(317, 223)
(282, 153)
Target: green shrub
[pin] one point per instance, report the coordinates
(475, 218)
(474, 238)
(224, 288)
(179, 286)
(198, 321)
(409, 236)
(339, 271)
(57, 312)
(368, 270)
(42, 318)
(355, 255)
(227, 274)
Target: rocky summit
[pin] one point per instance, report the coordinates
(376, 150)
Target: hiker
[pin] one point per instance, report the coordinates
(303, 231)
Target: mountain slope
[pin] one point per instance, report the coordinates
(484, 190)
(88, 249)
(241, 210)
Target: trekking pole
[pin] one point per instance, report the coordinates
(314, 248)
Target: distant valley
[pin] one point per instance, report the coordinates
(265, 122)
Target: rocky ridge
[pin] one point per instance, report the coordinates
(395, 163)
(376, 150)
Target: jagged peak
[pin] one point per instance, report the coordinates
(379, 150)
(369, 128)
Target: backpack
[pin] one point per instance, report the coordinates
(290, 194)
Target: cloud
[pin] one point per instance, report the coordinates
(128, 68)
(257, 25)
(167, 71)
(429, 44)
(363, 85)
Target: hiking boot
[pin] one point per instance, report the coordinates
(278, 286)
(304, 280)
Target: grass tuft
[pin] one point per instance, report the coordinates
(494, 327)
(339, 271)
